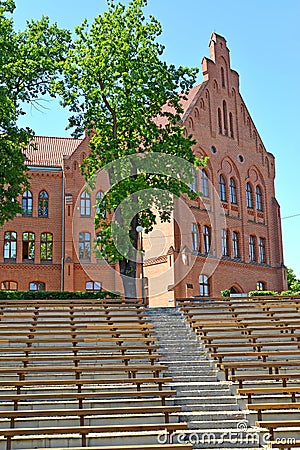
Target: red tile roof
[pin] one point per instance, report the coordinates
(49, 151)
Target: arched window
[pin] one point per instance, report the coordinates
(235, 245)
(222, 189)
(46, 246)
(225, 122)
(193, 183)
(28, 246)
(223, 77)
(233, 192)
(231, 125)
(220, 121)
(93, 286)
(204, 184)
(10, 245)
(195, 237)
(85, 246)
(43, 204)
(259, 200)
(224, 242)
(206, 239)
(252, 249)
(262, 249)
(99, 198)
(9, 286)
(203, 286)
(249, 199)
(37, 286)
(260, 286)
(85, 204)
(27, 203)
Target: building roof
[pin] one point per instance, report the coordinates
(49, 151)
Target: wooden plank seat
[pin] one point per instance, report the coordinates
(263, 355)
(241, 306)
(36, 333)
(10, 433)
(246, 329)
(132, 370)
(273, 425)
(75, 341)
(250, 392)
(257, 314)
(79, 383)
(50, 359)
(83, 413)
(254, 340)
(270, 365)
(133, 447)
(282, 444)
(259, 407)
(15, 399)
(254, 321)
(284, 377)
(76, 327)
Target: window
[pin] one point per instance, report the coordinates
(260, 286)
(249, 200)
(99, 197)
(28, 246)
(85, 246)
(195, 237)
(224, 243)
(220, 121)
(93, 286)
(204, 184)
(233, 194)
(193, 184)
(206, 239)
(235, 245)
(259, 203)
(43, 204)
(10, 245)
(37, 286)
(222, 77)
(262, 249)
(222, 189)
(231, 125)
(204, 286)
(46, 246)
(27, 203)
(9, 286)
(85, 204)
(225, 118)
(252, 253)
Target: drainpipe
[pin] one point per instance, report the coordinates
(62, 282)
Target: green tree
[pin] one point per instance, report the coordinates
(120, 91)
(292, 281)
(29, 61)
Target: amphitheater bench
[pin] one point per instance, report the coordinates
(251, 338)
(80, 397)
(134, 447)
(273, 425)
(276, 365)
(267, 390)
(10, 433)
(259, 407)
(85, 382)
(255, 345)
(75, 341)
(263, 355)
(82, 413)
(267, 377)
(283, 444)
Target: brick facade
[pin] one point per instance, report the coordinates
(216, 115)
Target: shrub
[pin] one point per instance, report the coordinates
(56, 295)
(261, 293)
(225, 293)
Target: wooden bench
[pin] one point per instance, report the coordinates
(273, 425)
(133, 447)
(32, 333)
(283, 444)
(76, 341)
(269, 390)
(263, 355)
(259, 407)
(252, 338)
(276, 365)
(19, 384)
(10, 433)
(255, 345)
(284, 377)
(82, 396)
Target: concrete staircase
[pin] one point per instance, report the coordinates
(212, 412)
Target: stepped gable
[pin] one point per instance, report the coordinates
(50, 151)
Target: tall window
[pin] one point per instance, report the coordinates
(46, 246)
(231, 125)
(37, 286)
(9, 286)
(225, 118)
(235, 245)
(195, 237)
(43, 204)
(233, 193)
(249, 200)
(85, 204)
(259, 202)
(222, 77)
(222, 189)
(99, 197)
(204, 184)
(27, 203)
(260, 286)
(262, 249)
(204, 286)
(193, 184)
(206, 239)
(93, 286)
(252, 252)
(28, 246)
(85, 246)
(10, 245)
(220, 121)
(224, 242)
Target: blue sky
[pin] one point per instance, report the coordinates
(263, 37)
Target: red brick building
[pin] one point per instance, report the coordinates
(229, 239)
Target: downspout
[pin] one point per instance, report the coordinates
(62, 283)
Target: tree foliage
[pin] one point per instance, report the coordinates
(292, 281)
(119, 89)
(29, 62)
